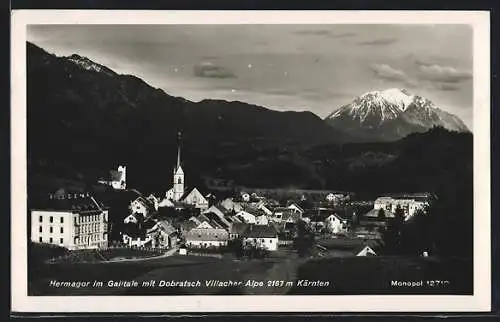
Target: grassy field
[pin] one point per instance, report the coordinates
(346, 275)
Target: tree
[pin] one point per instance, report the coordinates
(304, 240)
(393, 235)
(381, 214)
(236, 247)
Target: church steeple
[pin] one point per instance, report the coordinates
(178, 174)
(178, 150)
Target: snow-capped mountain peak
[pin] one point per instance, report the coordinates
(392, 113)
(89, 65)
(394, 96)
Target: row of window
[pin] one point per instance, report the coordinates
(82, 219)
(51, 240)
(262, 240)
(88, 239)
(91, 228)
(88, 218)
(51, 219)
(51, 230)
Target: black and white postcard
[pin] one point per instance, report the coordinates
(186, 161)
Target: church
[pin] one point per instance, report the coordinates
(179, 196)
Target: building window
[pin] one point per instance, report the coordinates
(62, 230)
(50, 230)
(39, 239)
(51, 219)
(40, 218)
(61, 241)
(62, 220)
(50, 240)
(40, 229)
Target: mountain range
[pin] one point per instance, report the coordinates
(84, 119)
(391, 114)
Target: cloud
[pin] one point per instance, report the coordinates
(210, 70)
(324, 33)
(343, 35)
(445, 86)
(385, 71)
(378, 42)
(441, 74)
(313, 32)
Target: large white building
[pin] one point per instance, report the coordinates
(409, 203)
(74, 221)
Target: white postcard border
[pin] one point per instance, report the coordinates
(481, 299)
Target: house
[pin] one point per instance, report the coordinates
(365, 250)
(73, 221)
(134, 218)
(231, 205)
(154, 201)
(135, 235)
(261, 236)
(263, 207)
(335, 224)
(246, 217)
(142, 206)
(293, 206)
(237, 229)
(117, 178)
(291, 216)
(206, 237)
(166, 203)
(282, 212)
(245, 196)
(211, 198)
(409, 203)
(261, 220)
(195, 199)
(255, 196)
(188, 225)
(162, 234)
(335, 198)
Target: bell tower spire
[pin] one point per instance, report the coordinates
(179, 137)
(178, 173)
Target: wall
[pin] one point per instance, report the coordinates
(67, 225)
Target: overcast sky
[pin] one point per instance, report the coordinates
(284, 67)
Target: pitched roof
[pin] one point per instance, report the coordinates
(296, 205)
(292, 215)
(239, 228)
(77, 203)
(364, 250)
(216, 234)
(213, 217)
(260, 231)
(188, 225)
(134, 231)
(165, 226)
(188, 192)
